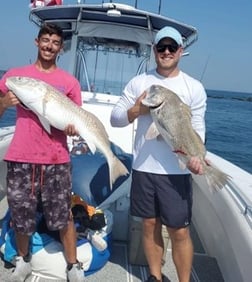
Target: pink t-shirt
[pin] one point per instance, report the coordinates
(31, 143)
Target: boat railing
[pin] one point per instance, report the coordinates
(82, 62)
(71, 17)
(241, 201)
(105, 65)
(143, 66)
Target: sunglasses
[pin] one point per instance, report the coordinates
(171, 47)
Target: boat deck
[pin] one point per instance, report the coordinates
(118, 268)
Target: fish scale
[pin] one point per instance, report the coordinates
(172, 120)
(55, 109)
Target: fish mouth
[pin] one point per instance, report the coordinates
(155, 106)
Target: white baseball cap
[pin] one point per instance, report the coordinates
(170, 32)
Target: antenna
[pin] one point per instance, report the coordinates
(159, 7)
(205, 67)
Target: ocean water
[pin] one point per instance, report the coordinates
(228, 126)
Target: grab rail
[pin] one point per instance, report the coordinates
(245, 208)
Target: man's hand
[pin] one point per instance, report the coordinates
(70, 130)
(143, 110)
(195, 165)
(138, 109)
(9, 100)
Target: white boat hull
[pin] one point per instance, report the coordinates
(222, 223)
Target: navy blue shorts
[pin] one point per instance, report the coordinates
(168, 197)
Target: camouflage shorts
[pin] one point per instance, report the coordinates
(32, 185)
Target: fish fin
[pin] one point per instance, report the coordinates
(181, 159)
(45, 123)
(216, 179)
(152, 132)
(116, 169)
(182, 165)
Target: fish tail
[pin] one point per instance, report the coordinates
(116, 169)
(216, 178)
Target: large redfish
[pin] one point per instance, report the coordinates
(57, 110)
(172, 120)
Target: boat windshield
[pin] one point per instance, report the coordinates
(105, 65)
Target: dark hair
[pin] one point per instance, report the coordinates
(49, 28)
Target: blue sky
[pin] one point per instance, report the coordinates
(224, 43)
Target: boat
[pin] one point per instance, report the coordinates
(107, 44)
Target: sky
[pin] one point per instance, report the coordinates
(221, 57)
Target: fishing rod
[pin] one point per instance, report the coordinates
(159, 7)
(204, 69)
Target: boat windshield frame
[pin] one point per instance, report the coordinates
(105, 65)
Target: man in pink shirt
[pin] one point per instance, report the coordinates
(39, 169)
